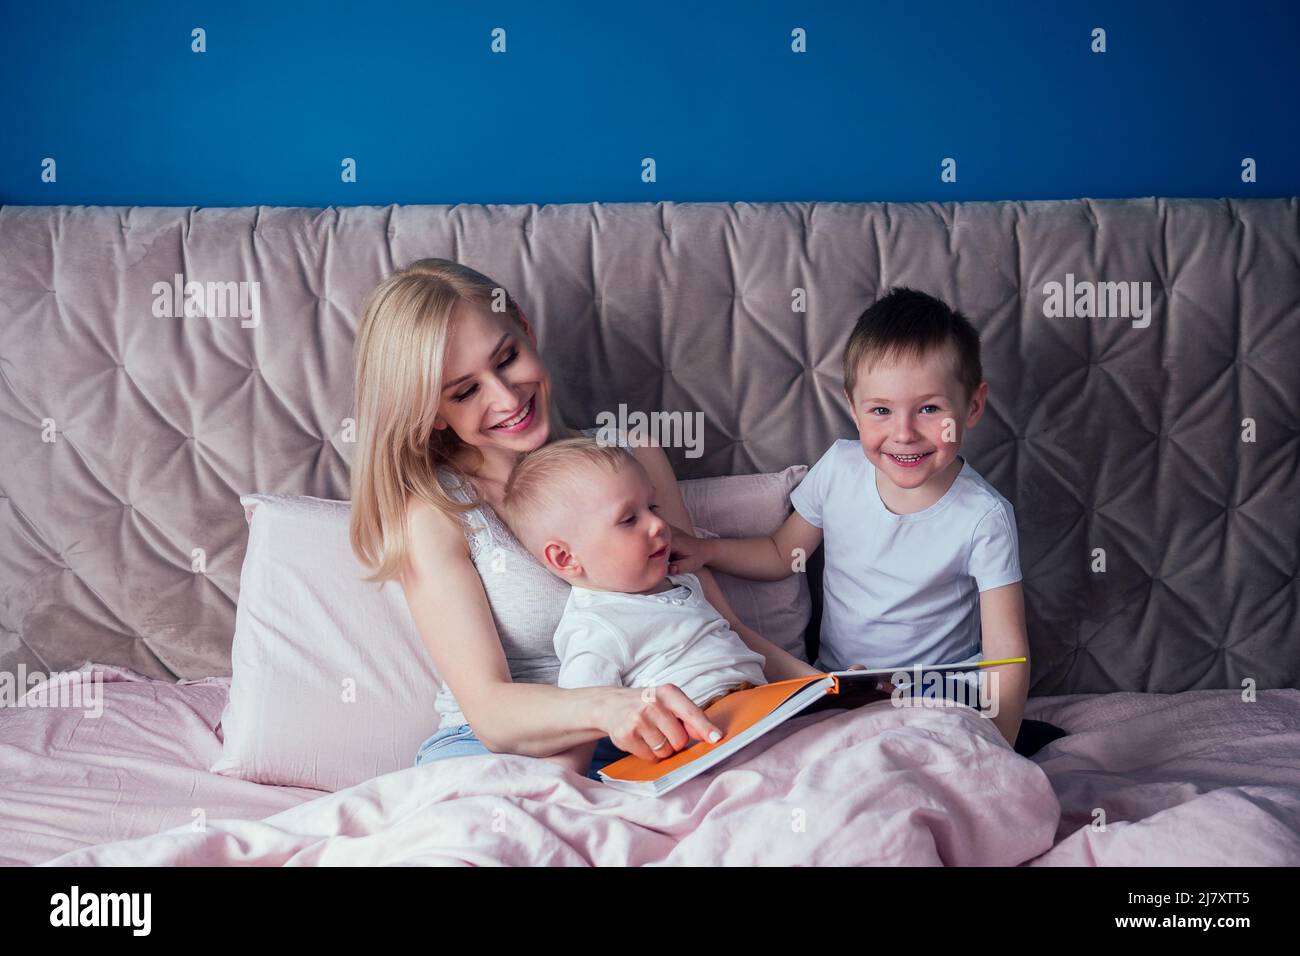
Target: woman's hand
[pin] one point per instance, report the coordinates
(654, 722)
(687, 553)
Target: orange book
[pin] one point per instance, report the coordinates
(744, 716)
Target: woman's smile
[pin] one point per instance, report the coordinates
(521, 420)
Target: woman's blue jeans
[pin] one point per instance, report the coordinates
(461, 742)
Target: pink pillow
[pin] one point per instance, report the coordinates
(330, 682)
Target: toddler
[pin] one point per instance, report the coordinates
(587, 512)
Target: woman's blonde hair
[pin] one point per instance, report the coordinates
(400, 347)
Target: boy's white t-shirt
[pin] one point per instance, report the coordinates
(612, 639)
(904, 589)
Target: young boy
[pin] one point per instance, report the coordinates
(587, 512)
(922, 563)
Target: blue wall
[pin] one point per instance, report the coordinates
(711, 91)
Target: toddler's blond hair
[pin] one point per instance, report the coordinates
(544, 481)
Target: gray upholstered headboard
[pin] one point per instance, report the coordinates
(127, 436)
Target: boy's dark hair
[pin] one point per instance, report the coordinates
(910, 324)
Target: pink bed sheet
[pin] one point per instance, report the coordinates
(1199, 777)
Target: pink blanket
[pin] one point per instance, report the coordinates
(880, 785)
(68, 780)
(1199, 777)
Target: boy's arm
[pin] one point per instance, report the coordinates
(765, 558)
(1002, 622)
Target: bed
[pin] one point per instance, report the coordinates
(1152, 462)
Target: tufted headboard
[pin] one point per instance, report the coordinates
(1153, 462)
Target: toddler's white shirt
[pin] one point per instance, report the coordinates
(612, 639)
(904, 589)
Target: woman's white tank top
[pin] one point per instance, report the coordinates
(527, 601)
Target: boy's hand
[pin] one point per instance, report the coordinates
(687, 553)
(886, 686)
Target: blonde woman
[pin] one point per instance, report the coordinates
(450, 391)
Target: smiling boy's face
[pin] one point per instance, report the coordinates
(911, 415)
